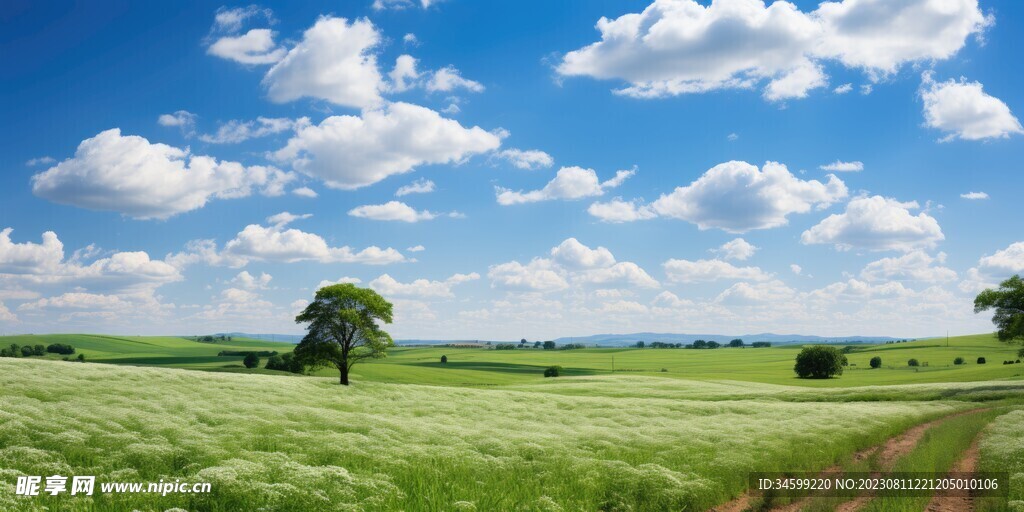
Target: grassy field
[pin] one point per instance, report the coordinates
(486, 431)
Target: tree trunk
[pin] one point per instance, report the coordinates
(344, 374)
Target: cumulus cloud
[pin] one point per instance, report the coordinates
(130, 175)
(796, 269)
(686, 271)
(420, 288)
(680, 46)
(448, 79)
(530, 159)
(42, 160)
(334, 61)
(573, 254)
(974, 195)
(278, 243)
(737, 249)
(399, 5)
(768, 292)
(343, 280)
(963, 110)
(256, 46)
(625, 273)
(396, 211)
(879, 224)
(231, 20)
(568, 183)
(738, 197)
(617, 211)
(841, 166)
(420, 186)
(183, 120)
(1004, 262)
(248, 281)
(305, 192)
(540, 275)
(235, 131)
(913, 266)
(843, 89)
(350, 152)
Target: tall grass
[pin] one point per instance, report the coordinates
(1002, 449)
(307, 444)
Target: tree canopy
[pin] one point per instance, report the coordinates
(819, 362)
(343, 328)
(1008, 303)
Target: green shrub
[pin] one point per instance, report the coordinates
(81, 358)
(913, 362)
(251, 360)
(958, 361)
(981, 360)
(27, 351)
(553, 371)
(39, 350)
(444, 359)
(819, 362)
(876, 362)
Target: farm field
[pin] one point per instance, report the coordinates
(486, 431)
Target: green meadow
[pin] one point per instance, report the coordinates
(669, 429)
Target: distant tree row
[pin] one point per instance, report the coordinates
(212, 339)
(259, 353)
(702, 344)
(15, 350)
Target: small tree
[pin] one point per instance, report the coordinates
(736, 343)
(1008, 303)
(81, 358)
(876, 362)
(522, 342)
(640, 344)
(819, 362)
(27, 351)
(274, 363)
(444, 359)
(549, 345)
(251, 360)
(958, 361)
(981, 360)
(913, 362)
(343, 328)
(553, 371)
(39, 350)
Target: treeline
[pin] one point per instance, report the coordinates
(703, 344)
(211, 339)
(259, 353)
(15, 350)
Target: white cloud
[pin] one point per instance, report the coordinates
(231, 20)
(410, 39)
(399, 5)
(183, 120)
(6, 315)
(773, 292)
(530, 159)
(235, 131)
(420, 186)
(568, 183)
(334, 61)
(350, 152)
(343, 280)
(841, 166)
(913, 266)
(974, 195)
(277, 243)
(680, 46)
(963, 110)
(619, 274)
(130, 175)
(416, 248)
(733, 137)
(843, 89)
(539, 275)
(404, 74)
(737, 249)
(256, 46)
(448, 79)
(250, 282)
(617, 211)
(42, 160)
(422, 288)
(796, 269)
(686, 271)
(395, 211)
(1004, 262)
(879, 224)
(738, 197)
(305, 192)
(573, 254)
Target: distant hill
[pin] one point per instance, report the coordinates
(615, 340)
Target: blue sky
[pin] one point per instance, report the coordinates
(661, 170)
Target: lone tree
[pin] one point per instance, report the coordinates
(1008, 303)
(876, 362)
(343, 328)
(819, 362)
(736, 343)
(444, 359)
